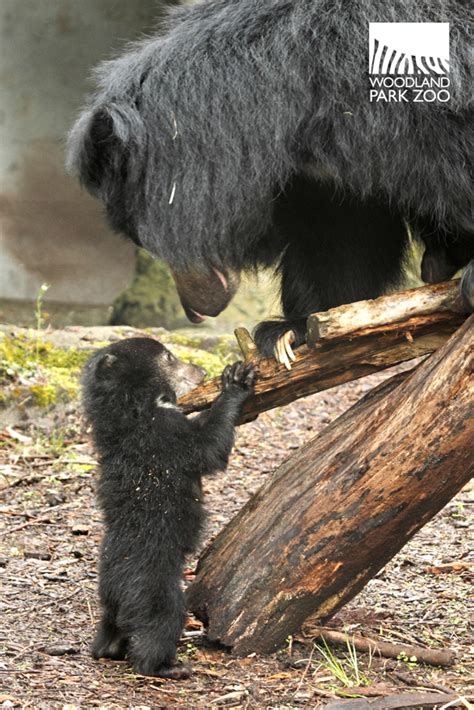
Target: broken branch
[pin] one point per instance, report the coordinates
(388, 649)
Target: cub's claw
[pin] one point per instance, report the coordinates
(238, 375)
(249, 376)
(230, 373)
(283, 351)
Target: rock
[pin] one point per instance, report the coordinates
(151, 299)
(61, 650)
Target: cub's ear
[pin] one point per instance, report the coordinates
(106, 364)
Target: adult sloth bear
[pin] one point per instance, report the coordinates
(244, 136)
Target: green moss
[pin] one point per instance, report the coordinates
(186, 341)
(100, 344)
(28, 353)
(226, 345)
(213, 354)
(37, 372)
(213, 364)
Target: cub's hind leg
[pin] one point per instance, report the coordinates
(109, 641)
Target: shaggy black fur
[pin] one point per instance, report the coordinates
(216, 144)
(357, 254)
(152, 458)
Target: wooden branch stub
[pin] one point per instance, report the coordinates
(342, 506)
(352, 317)
(246, 344)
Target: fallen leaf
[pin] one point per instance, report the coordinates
(450, 567)
(61, 650)
(17, 436)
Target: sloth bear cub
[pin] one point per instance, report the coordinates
(151, 458)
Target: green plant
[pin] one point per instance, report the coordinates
(54, 445)
(56, 442)
(411, 661)
(346, 669)
(39, 316)
(190, 651)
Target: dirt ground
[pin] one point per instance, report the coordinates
(48, 560)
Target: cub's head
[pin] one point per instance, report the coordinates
(133, 370)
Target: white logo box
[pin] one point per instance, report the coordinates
(409, 48)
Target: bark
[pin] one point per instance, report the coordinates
(417, 302)
(342, 506)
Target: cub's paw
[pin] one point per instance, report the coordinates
(238, 376)
(113, 648)
(175, 671)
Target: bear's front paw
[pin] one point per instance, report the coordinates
(238, 376)
(279, 338)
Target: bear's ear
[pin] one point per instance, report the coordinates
(90, 148)
(98, 146)
(105, 364)
(98, 142)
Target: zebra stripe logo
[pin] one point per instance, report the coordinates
(409, 48)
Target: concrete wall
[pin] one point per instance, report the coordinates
(50, 231)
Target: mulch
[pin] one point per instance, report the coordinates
(48, 559)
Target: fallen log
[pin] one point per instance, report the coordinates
(406, 328)
(342, 506)
(402, 701)
(352, 317)
(388, 649)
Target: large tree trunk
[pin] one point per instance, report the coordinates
(339, 509)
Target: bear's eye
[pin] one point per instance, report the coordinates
(168, 356)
